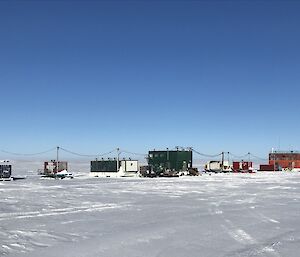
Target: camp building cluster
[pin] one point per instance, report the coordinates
(179, 162)
(163, 163)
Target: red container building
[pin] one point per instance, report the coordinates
(284, 160)
(242, 166)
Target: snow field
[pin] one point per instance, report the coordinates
(210, 215)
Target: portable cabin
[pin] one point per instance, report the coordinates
(50, 167)
(5, 170)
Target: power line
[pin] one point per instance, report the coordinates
(133, 153)
(29, 154)
(263, 159)
(128, 152)
(206, 155)
(239, 156)
(87, 155)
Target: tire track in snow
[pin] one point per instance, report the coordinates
(61, 211)
(242, 237)
(246, 239)
(237, 234)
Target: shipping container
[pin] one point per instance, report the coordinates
(267, 167)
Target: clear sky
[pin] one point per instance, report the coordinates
(95, 75)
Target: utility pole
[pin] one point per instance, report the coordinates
(248, 161)
(168, 162)
(222, 163)
(57, 153)
(167, 154)
(273, 155)
(118, 159)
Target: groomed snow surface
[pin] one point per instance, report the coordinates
(210, 215)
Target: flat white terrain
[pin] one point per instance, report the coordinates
(218, 215)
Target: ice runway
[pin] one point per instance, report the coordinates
(211, 216)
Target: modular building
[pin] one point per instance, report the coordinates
(170, 162)
(5, 170)
(114, 168)
(51, 168)
(285, 160)
(242, 166)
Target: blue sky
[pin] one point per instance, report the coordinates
(94, 75)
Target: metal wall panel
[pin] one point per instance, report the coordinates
(104, 166)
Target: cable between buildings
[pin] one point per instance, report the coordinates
(133, 153)
(263, 159)
(125, 151)
(29, 154)
(206, 155)
(86, 155)
(239, 156)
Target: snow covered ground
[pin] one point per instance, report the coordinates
(218, 215)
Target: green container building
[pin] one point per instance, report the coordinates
(174, 161)
(104, 166)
